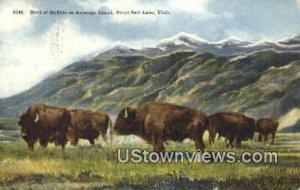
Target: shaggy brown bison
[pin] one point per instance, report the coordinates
(266, 126)
(87, 125)
(46, 124)
(233, 126)
(158, 122)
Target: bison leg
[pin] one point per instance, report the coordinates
(74, 141)
(259, 137)
(199, 144)
(211, 140)
(63, 145)
(103, 134)
(273, 137)
(30, 145)
(43, 142)
(238, 143)
(266, 137)
(62, 140)
(226, 141)
(159, 147)
(104, 137)
(235, 141)
(212, 136)
(158, 144)
(92, 142)
(231, 141)
(72, 136)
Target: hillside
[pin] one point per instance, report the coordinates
(259, 84)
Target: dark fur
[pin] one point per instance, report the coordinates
(266, 126)
(233, 126)
(87, 125)
(158, 122)
(51, 127)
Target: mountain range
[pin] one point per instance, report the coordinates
(189, 42)
(260, 79)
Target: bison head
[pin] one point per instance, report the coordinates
(28, 123)
(126, 122)
(250, 129)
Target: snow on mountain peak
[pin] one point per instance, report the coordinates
(182, 38)
(185, 41)
(295, 39)
(232, 40)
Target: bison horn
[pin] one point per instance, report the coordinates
(36, 118)
(23, 134)
(126, 113)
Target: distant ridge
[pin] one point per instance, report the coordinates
(226, 47)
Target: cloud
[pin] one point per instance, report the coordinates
(238, 33)
(10, 22)
(127, 5)
(298, 3)
(28, 60)
(194, 7)
(68, 42)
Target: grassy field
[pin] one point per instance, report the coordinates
(97, 167)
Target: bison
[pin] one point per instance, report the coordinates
(46, 124)
(235, 127)
(87, 125)
(266, 126)
(158, 122)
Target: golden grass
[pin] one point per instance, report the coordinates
(85, 165)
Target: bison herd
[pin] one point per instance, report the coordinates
(155, 122)
(46, 124)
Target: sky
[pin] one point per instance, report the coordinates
(33, 47)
